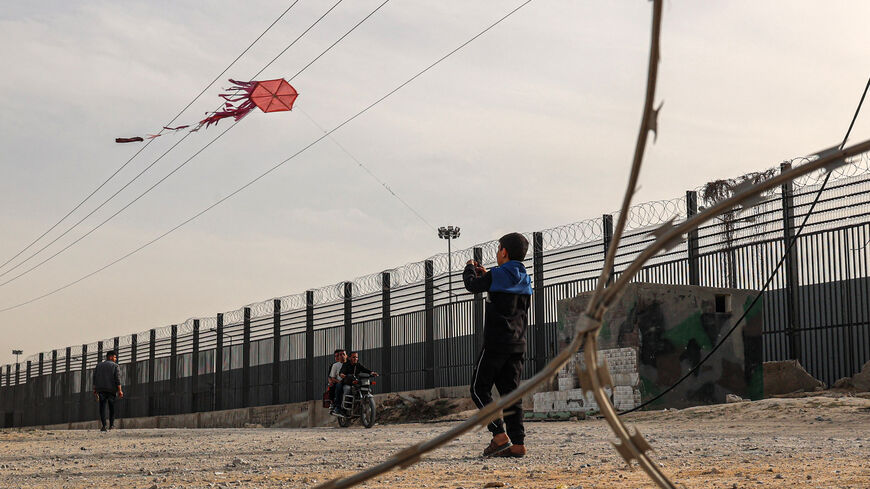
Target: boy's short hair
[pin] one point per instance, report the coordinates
(337, 351)
(516, 245)
(110, 353)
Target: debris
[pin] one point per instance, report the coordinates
(734, 398)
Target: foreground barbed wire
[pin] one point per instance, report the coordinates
(632, 445)
(596, 377)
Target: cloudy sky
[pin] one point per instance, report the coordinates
(530, 126)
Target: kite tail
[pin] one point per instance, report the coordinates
(241, 92)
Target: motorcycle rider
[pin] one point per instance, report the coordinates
(348, 371)
(334, 380)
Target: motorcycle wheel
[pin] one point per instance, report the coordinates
(367, 413)
(343, 421)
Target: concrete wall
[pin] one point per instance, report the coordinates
(665, 330)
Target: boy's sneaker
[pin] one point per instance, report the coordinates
(494, 449)
(515, 451)
(103, 428)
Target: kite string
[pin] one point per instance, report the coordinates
(273, 168)
(50, 229)
(367, 170)
(147, 168)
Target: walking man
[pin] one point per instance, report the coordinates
(500, 362)
(107, 385)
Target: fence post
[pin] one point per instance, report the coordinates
(309, 345)
(30, 393)
(67, 384)
(791, 274)
(51, 391)
(246, 357)
(429, 326)
(692, 241)
(539, 301)
(152, 358)
(17, 373)
(134, 374)
(194, 367)
(276, 351)
(100, 351)
(173, 371)
(83, 383)
(386, 333)
(39, 395)
(477, 308)
(348, 316)
(607, 228)
(116, 347)
(217, 387)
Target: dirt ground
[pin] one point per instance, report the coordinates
(814, 442)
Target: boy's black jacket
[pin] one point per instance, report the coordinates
(507, 314)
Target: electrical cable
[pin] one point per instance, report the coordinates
(770, 277)
(151, 140)
(151, 165)
(278, 165)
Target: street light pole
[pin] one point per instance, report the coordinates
(17, 353)
(449, 233)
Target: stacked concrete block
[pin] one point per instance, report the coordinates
(625, 394)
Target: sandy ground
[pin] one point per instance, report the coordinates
(816, 442)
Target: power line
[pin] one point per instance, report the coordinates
(155, 162)
(150, 141)
(770, 277)
(278, 165)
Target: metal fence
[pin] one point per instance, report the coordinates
(407, 327)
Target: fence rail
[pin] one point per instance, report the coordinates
(407, 327)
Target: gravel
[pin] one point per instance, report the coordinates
(771, 443)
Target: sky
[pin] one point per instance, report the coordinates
(530, 126)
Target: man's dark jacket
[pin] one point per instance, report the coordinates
(349, 370)
(509, 294)
(107, 376)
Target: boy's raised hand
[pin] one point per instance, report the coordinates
(478, 268)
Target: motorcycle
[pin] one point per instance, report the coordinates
(360, 403)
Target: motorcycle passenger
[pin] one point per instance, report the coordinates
(334, 380)
(348, 371)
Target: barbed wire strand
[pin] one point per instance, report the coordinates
(630, 447)
(791, 244)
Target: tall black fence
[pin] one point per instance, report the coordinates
(407, 327)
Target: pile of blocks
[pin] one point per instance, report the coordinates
(622, 363)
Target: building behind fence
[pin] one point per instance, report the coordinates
(407, 327)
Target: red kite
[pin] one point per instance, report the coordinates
(269, 96)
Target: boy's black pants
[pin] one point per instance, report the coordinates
(502, 369)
